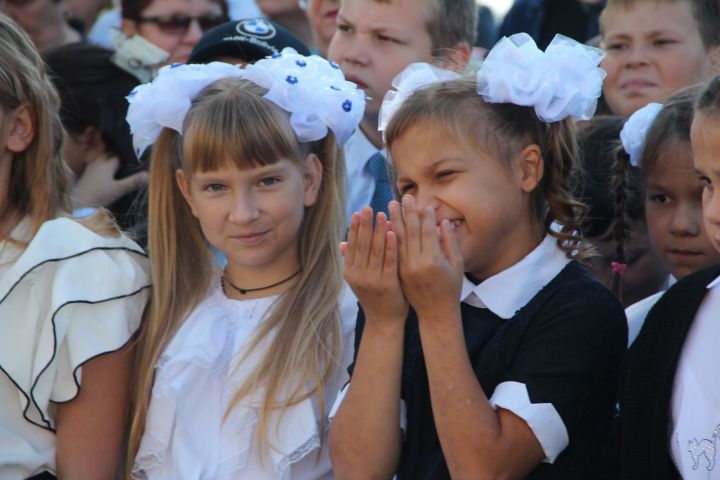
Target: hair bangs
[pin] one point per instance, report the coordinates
(230, 123)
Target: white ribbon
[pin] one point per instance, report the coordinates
(635, 131)
(313, 90)
(563, 81)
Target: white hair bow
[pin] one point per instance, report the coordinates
(635, 131)
(563, 81)
(313, 90)
(415, 76)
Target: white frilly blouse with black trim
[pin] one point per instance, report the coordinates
(69, 296)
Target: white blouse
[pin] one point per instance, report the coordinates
(695, 429)
(189, 436)
(68, 297)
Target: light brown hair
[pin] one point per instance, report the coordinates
(705, 12)
(448, 23)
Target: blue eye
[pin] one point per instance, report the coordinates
(269, 181)
(291, 79)
(214, 187)
(300, 63)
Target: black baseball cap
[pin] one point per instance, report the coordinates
(250, 39)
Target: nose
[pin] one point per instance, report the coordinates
(685, 220)
(244, 209)
(351, 50)
(426, 198)
(636, 56)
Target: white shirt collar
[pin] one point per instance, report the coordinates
(358, 150)
(506, 292)
(714, 283)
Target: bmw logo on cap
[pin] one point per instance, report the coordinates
(256, 27)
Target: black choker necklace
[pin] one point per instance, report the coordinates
(243, 291)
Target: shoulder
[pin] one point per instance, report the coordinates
(70, 296)
(575, 288)
(69, 262)
(577, 302)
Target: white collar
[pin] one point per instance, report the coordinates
(506, 292)
(714, 283)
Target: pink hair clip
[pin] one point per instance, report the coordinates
(618, 267)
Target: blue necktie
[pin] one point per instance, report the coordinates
(383, 193)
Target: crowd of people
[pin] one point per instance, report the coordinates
(283, 239)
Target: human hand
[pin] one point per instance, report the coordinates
(371, 267)
(431, 264)
(97, 186)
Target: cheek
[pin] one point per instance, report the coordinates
(657, 228)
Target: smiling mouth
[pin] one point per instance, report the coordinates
(249, 238)
(636, 85)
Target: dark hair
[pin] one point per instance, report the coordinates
(672, 124)
(599, 142)
(709, 100)
(507, 129)
(132, 9)
(92, 93)
(705, 12)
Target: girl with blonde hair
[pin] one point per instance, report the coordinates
(239, 366)
(71, 294)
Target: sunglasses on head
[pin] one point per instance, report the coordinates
(179, 24)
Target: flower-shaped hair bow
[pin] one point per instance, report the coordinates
(635, 131)
(563, 81)
(413, 77)
(313, 90)
(165, 101)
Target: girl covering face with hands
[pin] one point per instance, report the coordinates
(480, 336)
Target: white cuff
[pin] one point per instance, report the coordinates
(341, 397)
(542, 418)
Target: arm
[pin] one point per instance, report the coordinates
(91, 427)
(496, 443)
(365, 435)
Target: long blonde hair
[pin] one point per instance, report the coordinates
(230, 121)
(39, 177)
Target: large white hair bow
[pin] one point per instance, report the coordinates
(313, 90)
(413, 77)
(165, 101)
(563, 81)
(635, 131)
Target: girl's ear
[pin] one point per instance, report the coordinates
(313, 178)
(530, 167)
(183, 183)
(22, 129)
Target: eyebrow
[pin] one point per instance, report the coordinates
(433, 166)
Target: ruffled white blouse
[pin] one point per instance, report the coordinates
(68, 297)
(189, 436)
